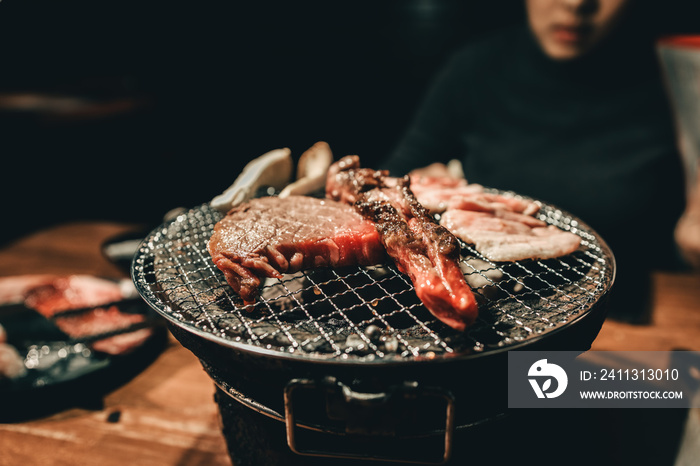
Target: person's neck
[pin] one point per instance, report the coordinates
(616, 60)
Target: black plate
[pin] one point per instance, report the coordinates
(63, 373)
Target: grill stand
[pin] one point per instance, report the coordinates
(353, 336)
(255, 429)
(313, 446)
(379, 416)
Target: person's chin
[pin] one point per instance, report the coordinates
(562, 51)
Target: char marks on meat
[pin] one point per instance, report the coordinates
(269, 236)
(420, 247)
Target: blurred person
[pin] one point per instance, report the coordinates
(569, 108)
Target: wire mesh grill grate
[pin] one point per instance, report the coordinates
(366, 313)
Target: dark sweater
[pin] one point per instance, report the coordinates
(593, 136)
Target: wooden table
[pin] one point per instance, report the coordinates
(167, 413)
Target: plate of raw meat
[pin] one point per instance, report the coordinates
(67, 340)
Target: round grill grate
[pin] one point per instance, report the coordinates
(366, 314)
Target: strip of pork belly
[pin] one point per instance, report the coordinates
(501, 227)
(420, 247)
(270, 236)
(438, 194)
(434, 193)
(509, 238)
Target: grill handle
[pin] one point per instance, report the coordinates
(374, 423)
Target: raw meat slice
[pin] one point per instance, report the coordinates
(420, 247)
(494, 203)
(57, 294)
(103, 320)
(72, 292)
(269, 236)
(502, 239)
(438, 194)
(434, 193)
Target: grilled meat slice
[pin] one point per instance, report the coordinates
(269, 236)
(501, 227)
(508, 237)
(421, 248)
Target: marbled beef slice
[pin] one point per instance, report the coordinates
(269, 236)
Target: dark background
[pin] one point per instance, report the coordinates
(182, 94)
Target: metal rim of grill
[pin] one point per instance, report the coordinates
(368, 315)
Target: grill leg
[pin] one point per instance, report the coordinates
(253, 439)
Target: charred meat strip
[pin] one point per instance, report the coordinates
(420, 247)
(269, 236)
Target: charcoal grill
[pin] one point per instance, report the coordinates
(347, 352)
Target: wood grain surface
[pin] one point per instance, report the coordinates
(166, 415)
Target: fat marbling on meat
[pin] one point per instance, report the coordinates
(270, 236)
(51, 296)
(508, 236)
(500, 226)
(438, 194)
